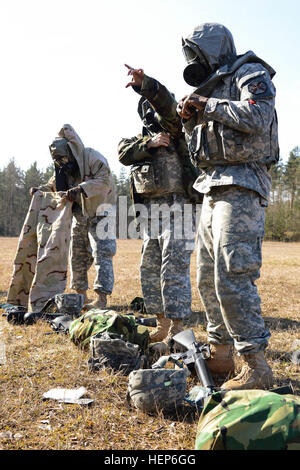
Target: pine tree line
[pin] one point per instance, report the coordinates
(15, 184)
(282, 215)
(14, 195)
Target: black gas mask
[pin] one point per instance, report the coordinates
(197, 69)
(61, 153)
(64, 162)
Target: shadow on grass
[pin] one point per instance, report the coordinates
(282, 356)
(277, 323)
(295, 384)
(120, 308)
(197, 318)
(183, 413)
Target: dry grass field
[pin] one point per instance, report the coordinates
(35, 359)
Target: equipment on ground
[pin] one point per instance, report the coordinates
(195, 358)
(152, 390)
(109, 350)
(56, 306)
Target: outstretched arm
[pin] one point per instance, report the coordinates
(159, 96)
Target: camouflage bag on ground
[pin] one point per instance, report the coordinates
(138, 305)
(151, 390)
(61, 324)
(110, 350)
(58, 305)
(249, 420)
(98, 321)
(68, 304)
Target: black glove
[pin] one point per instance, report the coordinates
(33, 190)
(73, 193)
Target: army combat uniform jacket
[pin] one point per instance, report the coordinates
(171, 170)
(162, 176)
(236, 139)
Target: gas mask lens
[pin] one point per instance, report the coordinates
(189, 54)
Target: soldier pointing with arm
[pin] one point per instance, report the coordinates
(161, 174)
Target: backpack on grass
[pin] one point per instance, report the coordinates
(97, 321)
(110, 350)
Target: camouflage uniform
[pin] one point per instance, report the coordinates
(233, 143)
(165, 264)
(41, 262)
(87, 248)
(162, 176)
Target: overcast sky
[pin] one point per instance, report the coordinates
(62, 61)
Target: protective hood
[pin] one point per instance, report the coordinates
(96, 177)
(213, 44)
(75, 144)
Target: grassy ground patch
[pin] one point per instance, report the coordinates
(35, 359)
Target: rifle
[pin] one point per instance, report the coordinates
(195, 358)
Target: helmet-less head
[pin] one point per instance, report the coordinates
(209, 47)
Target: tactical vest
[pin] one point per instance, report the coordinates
(213, 143)
(160, 176)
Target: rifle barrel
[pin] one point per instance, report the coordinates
(203, 373)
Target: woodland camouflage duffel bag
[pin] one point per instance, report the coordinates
(249, 420)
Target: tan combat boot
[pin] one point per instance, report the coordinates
(161, 330)
(221, 363)
(176, 327)
(83, 292)
(100, 302)
(255, 374)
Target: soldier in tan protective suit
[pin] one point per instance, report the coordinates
(86, 177)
